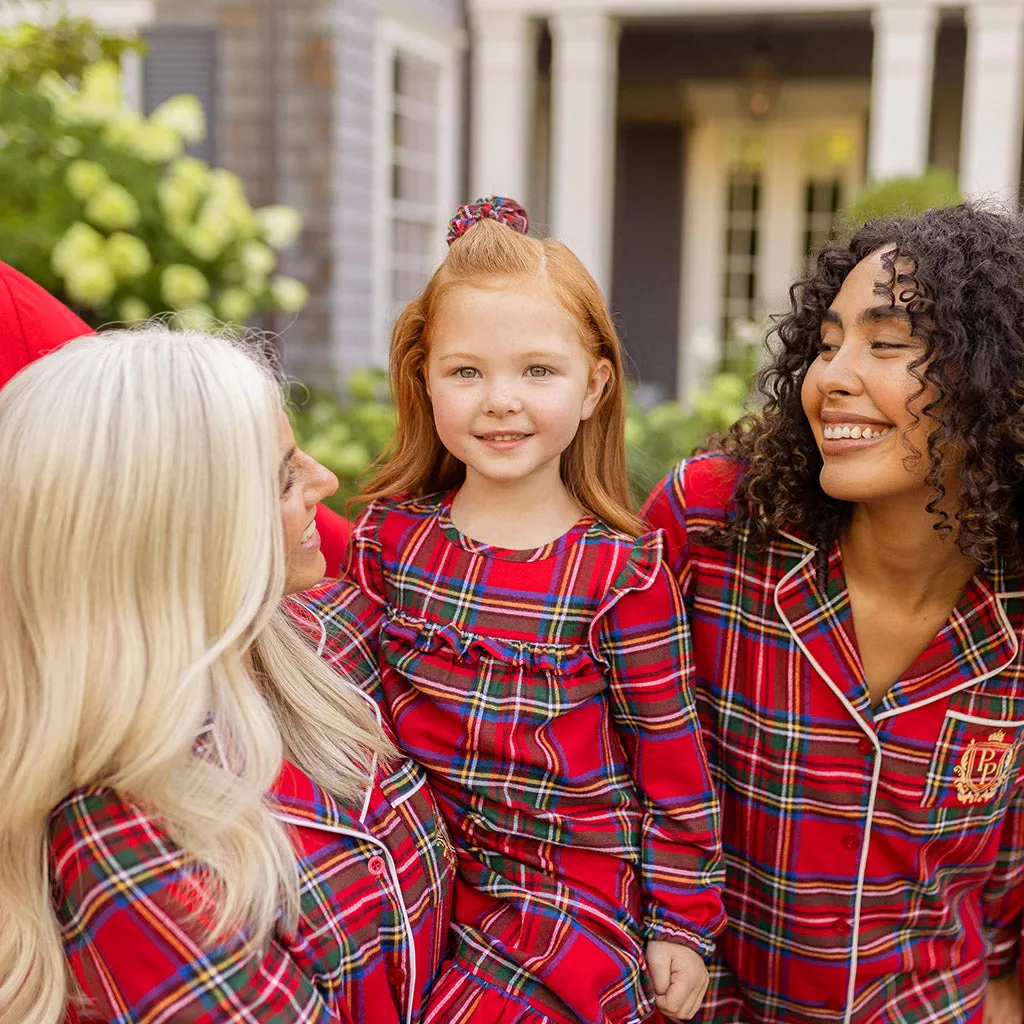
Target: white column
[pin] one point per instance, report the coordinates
(703, 235)
(504, 73)
(994, 79)
(584, 77)
(901, 87)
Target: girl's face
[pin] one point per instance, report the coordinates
(304, 483)
(509, 381)
(856, 392)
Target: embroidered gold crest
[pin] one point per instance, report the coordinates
(983, 769)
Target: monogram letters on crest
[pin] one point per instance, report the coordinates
(984, 768)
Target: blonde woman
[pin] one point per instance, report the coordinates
(200, 821)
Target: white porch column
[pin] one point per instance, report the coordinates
(584, 78)
(994, 79)
(901, 87)
(504, 77)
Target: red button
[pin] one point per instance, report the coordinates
(841, 926)
(850, 841)
(865, 746)
(396, 977)
(376, 865)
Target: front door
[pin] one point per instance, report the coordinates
(759, 196)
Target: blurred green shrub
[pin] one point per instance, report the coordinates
(936, 187)
(346, 433)
(101, 206)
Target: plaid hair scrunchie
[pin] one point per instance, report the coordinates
(500, 208)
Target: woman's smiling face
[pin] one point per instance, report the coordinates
(863, 402)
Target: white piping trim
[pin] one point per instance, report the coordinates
(872, 735)
(393, 873)
(412, 791)
(973, 680)
(373, 704)
(875, 775)
(978, 720)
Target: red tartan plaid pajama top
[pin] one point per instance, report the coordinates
(375, 896)
(547, 693)
(874, 855)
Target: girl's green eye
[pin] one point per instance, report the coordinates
(465, 372)
(538, 371)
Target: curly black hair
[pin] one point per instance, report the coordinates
(959, 272)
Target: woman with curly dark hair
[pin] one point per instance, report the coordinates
(851, 561)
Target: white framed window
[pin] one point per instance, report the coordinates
(417, 160)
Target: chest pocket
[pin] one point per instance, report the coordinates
(413, 803)
(977, 760)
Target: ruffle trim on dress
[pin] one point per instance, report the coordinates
(638, 573)
(558, 659)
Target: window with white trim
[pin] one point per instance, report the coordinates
(417, 161)
(414, 175)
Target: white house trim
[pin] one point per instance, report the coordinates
(443, 51)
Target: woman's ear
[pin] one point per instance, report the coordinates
(599, 377)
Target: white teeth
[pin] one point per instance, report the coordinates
(310, 530)
(504, 437)
(835, 432)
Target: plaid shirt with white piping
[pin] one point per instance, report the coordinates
(873, 855)
(375, 896)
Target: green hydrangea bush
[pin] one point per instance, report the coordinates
(102, 207)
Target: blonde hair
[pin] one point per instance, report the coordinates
(141, 554)
(594, 465)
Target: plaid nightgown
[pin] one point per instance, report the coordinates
(547, 693)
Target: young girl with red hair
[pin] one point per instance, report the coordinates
(533, 647)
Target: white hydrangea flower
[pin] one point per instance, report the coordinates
(281, 225)
(133, 310)
(156, 143)
(235, 305)
(190, 169)
(288, 294)
(182, 286)
(90, 282)
(80, 242)
(177, 198)
(184, 115)
(84, 178)
(257, 261)
(128, 256)
(196, 318)
(112, 207)
(206, 239)
(66, 146)
(100, 98)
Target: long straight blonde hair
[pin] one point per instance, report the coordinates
(593, 467)
(141, 559)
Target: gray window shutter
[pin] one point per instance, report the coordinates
(183, 59)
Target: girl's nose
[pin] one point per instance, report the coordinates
(501, 399)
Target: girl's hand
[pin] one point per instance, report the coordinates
(1004, 1001)
(680, 979)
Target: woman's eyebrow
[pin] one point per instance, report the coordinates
(876, 314)
(872, 315)
(287, 458)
